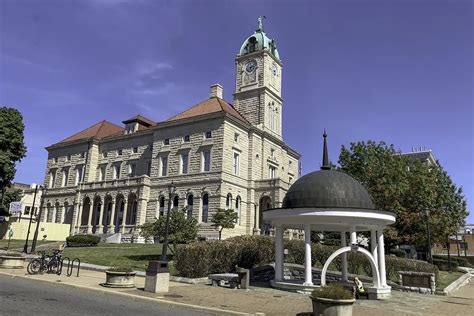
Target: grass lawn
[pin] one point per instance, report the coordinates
(133, 255)
(19, 243)
(445, 278)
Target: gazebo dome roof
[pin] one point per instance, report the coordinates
(327, 189)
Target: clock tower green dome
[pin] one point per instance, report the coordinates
(259, 41)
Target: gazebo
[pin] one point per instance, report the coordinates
(329, 200)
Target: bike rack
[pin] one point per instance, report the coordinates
(70, 266)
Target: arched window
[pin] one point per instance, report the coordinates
(162, 206)
(228, 201)
(205, 208)
(133, 213)
(237, 208)
(190, 206)
(175, 202)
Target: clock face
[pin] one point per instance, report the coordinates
(250, 66)
(274, 70)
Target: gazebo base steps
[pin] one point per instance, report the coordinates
(379, 293)
(293, 286)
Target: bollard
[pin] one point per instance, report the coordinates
(157, 278)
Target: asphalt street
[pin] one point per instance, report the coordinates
(20, 296)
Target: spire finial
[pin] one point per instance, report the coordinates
(260, 24)
(326, 165)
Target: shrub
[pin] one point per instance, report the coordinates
(400, 253)
(192, 260)
(334, 292)
(395, 264)
(82, 241)
(443, 265)
(462, 262)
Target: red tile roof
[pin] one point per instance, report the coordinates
(98, 131)
(140, 119)
(212, 105)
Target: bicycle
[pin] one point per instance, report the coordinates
(51, 264)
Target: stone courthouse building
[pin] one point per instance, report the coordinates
(112, 178)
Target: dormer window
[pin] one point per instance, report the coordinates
(131, 128)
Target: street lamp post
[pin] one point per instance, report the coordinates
(25, 248)
(171, 190)
(427, 214)
(38, 220)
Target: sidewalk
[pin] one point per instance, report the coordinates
(224, 301)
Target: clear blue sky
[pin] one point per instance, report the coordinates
(398, 71)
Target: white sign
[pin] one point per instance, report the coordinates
(15, 207)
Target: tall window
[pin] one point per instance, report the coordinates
(272, 170)
(164, 165)
(119, 152)
(175, 202)
(208, 135)
(236, 164)
(205, 208)
(116, 171)
(132, 170)
(237, 208)
(184, 161)
(79, 174)
(102, 172)
(148, 168)
(206, 160)
(228, 201)
(162, 206)
(166, 141)
(135, 150)
(190, 206)
(52, 178)
(186, 138)
(65, 177)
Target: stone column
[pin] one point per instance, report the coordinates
(53, 216)
(381, 254)
(63, 213)
(124, 218)
(79, 217)
(89, 219)
(344, 257)
(307, 257)
(278, 253)
(112, 217)
(101, 216)
(373, 245)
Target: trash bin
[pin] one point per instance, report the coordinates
(157, 277)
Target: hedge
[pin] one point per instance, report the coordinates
(443, 265)
(200, 259)
(82, 241)
(462, 262)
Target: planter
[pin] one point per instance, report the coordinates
(119, 279)
(331, 307)
(12, 262)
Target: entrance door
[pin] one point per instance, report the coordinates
(265, 204)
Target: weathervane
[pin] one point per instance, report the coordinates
(260, 24)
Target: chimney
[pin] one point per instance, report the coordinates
(216, 91)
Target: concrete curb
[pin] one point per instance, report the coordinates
(198, 308)
(460, 282)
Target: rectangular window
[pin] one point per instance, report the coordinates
(104, 154)
(27, 210)
(135, 150)
(236, 164)
(236, 137)
(83, 155)
(272, 153)
(184, 163)
(65, 178)
(166, 141)
(148, 168)
(206, 160)
(55, 159)
(272, 172)
(186, 138)
(79, 174)
(68, 158)
(102, 172)
(132, 170)
(164, 166)
(208, 135)
(117, 172)
(119, 152)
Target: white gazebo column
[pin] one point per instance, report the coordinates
(373, 245)
(353, 235)
(307, 258)
(381, 253)
(278, 253)
(344, 257)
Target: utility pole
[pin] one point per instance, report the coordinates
(38, 220)
(25, 248)
(171, 189)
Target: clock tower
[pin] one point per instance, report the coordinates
(258, 82)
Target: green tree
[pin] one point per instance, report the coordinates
(181, 228)
(224, 218)
(408, 189)
(12, 147)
